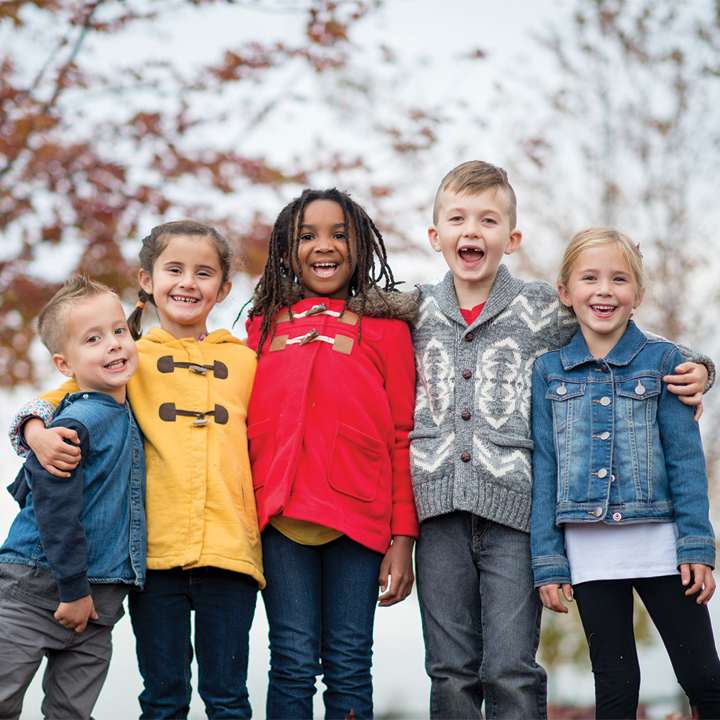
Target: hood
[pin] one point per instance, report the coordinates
(162, 337)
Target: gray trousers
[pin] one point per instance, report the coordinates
(76, 663)
(481, 620)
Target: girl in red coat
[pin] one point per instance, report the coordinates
(328, 426)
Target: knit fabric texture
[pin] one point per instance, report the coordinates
(471, 446)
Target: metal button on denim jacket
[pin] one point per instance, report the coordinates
(612, 445)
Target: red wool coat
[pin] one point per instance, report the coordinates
(328, 422)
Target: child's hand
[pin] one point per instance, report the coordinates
(76, 614)
(703, 581)
(550, 596)
(50, 448)
(397, 564)
(688, 383)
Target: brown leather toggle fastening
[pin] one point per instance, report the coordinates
(347, 318)
(166, 364)
(169, 413)
(341, 343)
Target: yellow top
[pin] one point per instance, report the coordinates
(200, 502)
(304, 532)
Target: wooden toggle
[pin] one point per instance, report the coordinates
(169, 413)
(341, 343)
(166, 364)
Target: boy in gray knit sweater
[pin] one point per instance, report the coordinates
(476, 337)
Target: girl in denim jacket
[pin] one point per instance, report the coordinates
(619, 486)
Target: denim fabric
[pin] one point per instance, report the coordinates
(613, 445)
(224, 605)
(113, 495)
(481, 619)
(320, 602)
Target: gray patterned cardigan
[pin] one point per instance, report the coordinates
(471, 447)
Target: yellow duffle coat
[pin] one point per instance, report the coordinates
(190, 400)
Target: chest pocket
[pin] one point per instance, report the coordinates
(637, 400)
(565, 396)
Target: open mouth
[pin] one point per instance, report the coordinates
(184, 299)
(324, 269)
(116, 365)
(603, 311)
(470, 254)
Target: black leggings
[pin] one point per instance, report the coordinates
(606, 611)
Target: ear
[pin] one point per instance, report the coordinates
(62, 364)
(514, 242)
(145, 280)
(639, 297)
(564, 295)
(434, 238)
(224, 291)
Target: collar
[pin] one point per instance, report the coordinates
(576, 352)
(504, 290)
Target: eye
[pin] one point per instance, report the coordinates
(91, 339)
(340, 236)
(620, 279)
(120, 330)
(205, 273)
(587, 276)
(489, 221)
(174, 270)
(305, 237)
(455, 218)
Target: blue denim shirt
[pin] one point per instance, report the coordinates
(89, 528)
(613, 445)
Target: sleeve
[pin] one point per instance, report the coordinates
(43, 407)
(252, 328)
(400, 388)
(547, 540)
(687, 476)
(690, 355)
(58, 505)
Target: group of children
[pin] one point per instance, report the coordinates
(526, 438)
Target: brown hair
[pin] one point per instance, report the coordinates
(592, 237)
(153, 246)
(52, 321)
(474, 177)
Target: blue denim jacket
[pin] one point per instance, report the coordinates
(613, 445)
(89, 527)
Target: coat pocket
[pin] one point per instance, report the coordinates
(261, 438)
(357, 462)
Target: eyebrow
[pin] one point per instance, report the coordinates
(197, 267)
(312, 227)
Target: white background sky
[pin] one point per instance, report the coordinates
(420, 29)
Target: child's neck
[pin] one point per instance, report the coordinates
(601, 345)
(470, 294)
(117, 394)
(197, 331)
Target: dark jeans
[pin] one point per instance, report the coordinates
(320, 602)
(481, 619)
(224, 605)
(606, 611)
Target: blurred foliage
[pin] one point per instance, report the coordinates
(92, 156)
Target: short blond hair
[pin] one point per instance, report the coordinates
(592, 237)
(474, 177)
(52, 321)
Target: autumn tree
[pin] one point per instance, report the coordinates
(104, 131)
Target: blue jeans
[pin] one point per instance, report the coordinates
(224, 605)
(481, 619)
(320, 602)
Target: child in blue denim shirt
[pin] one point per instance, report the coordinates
(77, 545)
(620, 488)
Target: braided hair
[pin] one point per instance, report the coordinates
(153, 246)
(280, 279)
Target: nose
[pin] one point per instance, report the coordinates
(187, 280)
(471, 229)
(323, 243)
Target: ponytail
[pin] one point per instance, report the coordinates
(134, 320)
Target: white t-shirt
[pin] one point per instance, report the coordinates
(597, 551)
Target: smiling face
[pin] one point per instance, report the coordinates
(473, 233)
(98, 350)
(186, 282)
(603, 291)
(325, 250)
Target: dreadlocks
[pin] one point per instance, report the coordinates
(279, 280)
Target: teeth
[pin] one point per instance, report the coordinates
(325, 265)
(180, 298)
(471, 251)
(115, 363)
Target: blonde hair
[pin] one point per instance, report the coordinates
(474, 177)
(52, 321)
(592, 237)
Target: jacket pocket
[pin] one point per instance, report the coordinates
(261, 439)
(507, 458)
(357, 461)
(564, 394)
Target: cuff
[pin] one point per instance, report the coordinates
(33, 409)
(550, 569)
(73, 588)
